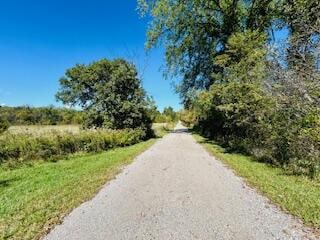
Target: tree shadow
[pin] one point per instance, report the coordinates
(7, 182)
(180, 130)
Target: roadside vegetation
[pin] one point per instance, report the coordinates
(250, 74)
(296, 194)
(161, 129)
(18, 149)
(35, 198)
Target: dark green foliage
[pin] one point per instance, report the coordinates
(22, 148)
(277, 122)
(109, 92)
(4, 124)
(263, 109)
(244, 118)
(26, 115)
(237, 110)
(236, 114)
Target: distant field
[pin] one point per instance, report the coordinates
(157, 125)
(41, 129)
(159, 128)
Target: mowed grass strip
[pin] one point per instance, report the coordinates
(298, 195)
(34, 198)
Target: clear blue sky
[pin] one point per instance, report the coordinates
(40, 39)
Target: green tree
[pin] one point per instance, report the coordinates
(170, 114)
(109, 92)
(152, 110)
(195, 33)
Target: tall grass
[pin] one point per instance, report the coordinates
(16, 149)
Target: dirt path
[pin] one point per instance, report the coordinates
(176, 190)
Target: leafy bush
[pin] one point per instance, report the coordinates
(20, 148)
(243, 117)
(188, 117)
(295, 140)
(236, 114)
(280, 123)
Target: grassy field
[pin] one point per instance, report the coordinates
(42, 129)
(34, 198)
(296, 194)
(159, 128)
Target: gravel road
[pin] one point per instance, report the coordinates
(176, 190)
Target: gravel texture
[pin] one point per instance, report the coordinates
(176, 190)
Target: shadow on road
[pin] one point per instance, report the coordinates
(180, 130)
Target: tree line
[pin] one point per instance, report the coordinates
(26, 115)
(241, 85)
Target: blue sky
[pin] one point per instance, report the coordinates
(39, 40)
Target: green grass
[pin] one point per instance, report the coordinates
(298, 195)
(34, 198)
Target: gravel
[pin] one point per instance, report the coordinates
(176, 190)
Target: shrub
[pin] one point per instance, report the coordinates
(243, 117)
(236, 114)
(22, 148)
(4, 125)
(295, 140)
(188, 117)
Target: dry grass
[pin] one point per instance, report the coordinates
(162, 129)
(42, 129)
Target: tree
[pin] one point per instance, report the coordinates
(236, 109)
(109, 92)
(237, 86)
(195, 33)
(170, 114)
(152, 110)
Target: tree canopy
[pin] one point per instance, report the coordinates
(240, 85)
(195, 33)
(109, 92)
